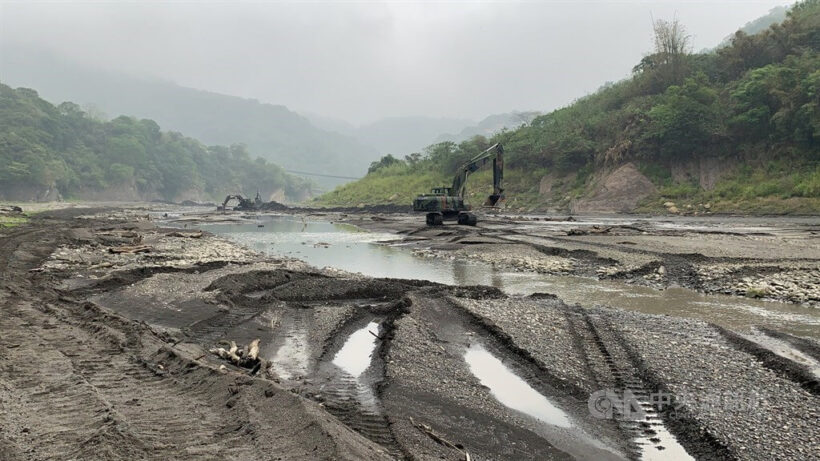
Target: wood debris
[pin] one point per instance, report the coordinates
(592, 230)
(247, 357)
(438, 438)
(130, 249)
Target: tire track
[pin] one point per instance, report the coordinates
(77, 382)
(657, 429)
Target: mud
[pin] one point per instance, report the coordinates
(775, 259)
(114, 347)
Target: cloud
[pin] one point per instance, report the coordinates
(362, 61)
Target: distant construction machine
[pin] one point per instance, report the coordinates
(244, 204)
(448, 202)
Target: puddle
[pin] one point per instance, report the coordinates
(349, 377)
(346, 247)
(785, 350)
(653, 439)
(291, 358)
(356, 354)
(511, 390)
(662, 446)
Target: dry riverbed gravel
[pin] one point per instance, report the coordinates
(139, 368)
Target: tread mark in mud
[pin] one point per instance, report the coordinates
(643, 422)
(209, 330)
(357, 404)
(782, 366)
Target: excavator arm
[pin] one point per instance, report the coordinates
(494, 153)
(448, 202)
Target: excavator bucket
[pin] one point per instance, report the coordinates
(494, 200)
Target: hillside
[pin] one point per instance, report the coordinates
(490, 125)
(52, 152)
(399, 136)
(733, 130)
(271, 131)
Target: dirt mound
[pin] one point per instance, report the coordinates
(617, 192)
(273, 206)
(364, 209)
(193, 203)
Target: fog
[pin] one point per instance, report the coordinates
(364, 61)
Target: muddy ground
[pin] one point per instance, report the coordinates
(770, 258)
(106, 355)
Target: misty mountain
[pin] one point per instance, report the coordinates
(775, 16)
(491, 125)
(397, 136)
(405, 135)
(271, 131)
(400, 136)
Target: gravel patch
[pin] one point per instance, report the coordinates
(757, 413)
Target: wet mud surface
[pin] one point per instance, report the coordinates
(115, 347)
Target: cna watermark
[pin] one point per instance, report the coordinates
(626, 405)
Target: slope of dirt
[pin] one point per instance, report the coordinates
(79, 383)
(618, 191)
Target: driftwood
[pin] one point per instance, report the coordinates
(375, 335)
(593, 230)
(438, 438)
(597, 230)
(10, 209)
(131, 249)
(245, 358)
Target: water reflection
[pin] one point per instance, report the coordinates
(511, 390)
(356, 354)
(349, 248)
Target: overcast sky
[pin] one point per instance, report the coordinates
(367, 60)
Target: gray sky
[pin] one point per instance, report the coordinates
(367, 60)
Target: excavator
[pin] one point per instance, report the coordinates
(245, 204)
(445, 203)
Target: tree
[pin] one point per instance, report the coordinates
(668, 64)
(672, 42)
(384, 162)
(685, 119)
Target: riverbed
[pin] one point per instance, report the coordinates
(353, 249)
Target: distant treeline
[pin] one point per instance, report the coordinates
(755, 102)
(47, 146)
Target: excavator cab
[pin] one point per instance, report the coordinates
(442, 191)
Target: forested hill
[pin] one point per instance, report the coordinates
(735, 129)
(49, 152)
(270, 131)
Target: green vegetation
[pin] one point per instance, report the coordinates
(11, 221)
(45, 147)
(751, 108)
(270, 131)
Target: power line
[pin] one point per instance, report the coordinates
(320, 174)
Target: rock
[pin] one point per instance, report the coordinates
(545, 185)
(668, 204)
(673, 209)
(618, 191)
